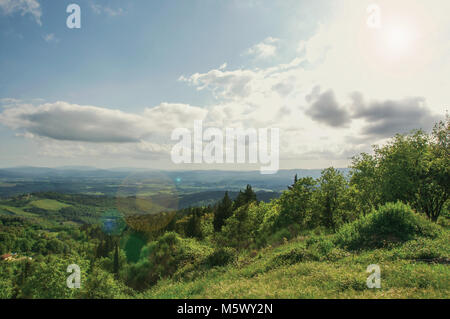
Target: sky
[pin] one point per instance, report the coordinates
(110, 93)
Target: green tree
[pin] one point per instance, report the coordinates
(101, 284)
(401, 163)
(433, 187)
(295, 181)
(331, 197)
(7, 289)
(412, 168)
(296, 205)
(48, 278)
(116, 260)
(365, 183)
(241, 229)
(223, 210)
(193, 226)
(244, 197)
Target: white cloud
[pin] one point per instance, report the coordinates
(168, 116)
(64, 130)
(9, 102)
(264, 49)
(70, 122)
(50, 37)
(99, 9)
(226, 84)
(64, 121)
(23, 7)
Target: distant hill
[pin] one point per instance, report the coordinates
(212, 197)
(90, 180)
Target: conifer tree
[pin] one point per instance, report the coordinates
(223, 211)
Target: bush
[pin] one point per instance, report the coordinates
(279, 237)
(391, 223)
(324, 249)
(164, 257)
(293, 256)
(221, 257)
(101, 284)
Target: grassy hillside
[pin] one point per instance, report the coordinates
(298, 269)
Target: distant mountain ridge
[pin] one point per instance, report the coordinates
(91, 180)
(23, 171)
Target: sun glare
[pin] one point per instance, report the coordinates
(399, 39)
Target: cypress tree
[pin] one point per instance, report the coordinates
(116, 260)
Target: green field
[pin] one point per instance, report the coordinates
(48, 204)
(16, 211)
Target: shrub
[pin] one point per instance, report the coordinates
(391, 223)
(291, 257)
(221, 257)
(162, 258)
(324, 249)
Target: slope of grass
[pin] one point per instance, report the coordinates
(312, 268)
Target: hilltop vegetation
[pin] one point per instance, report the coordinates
(314, 241)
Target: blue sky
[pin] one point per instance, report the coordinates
(111, 92)
(133, 59)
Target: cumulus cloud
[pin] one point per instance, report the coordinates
(325, 109)
(224, 84)
(64, 121)
(70, 122)
(168, 116)
(386, 118)
(32, 7)
(378, 118)
(264, 49)
(76, 132)
(284, 87)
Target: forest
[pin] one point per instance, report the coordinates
(313, 241)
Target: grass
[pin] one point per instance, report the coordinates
(16, 211)
(298, 269)
(48, 204)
